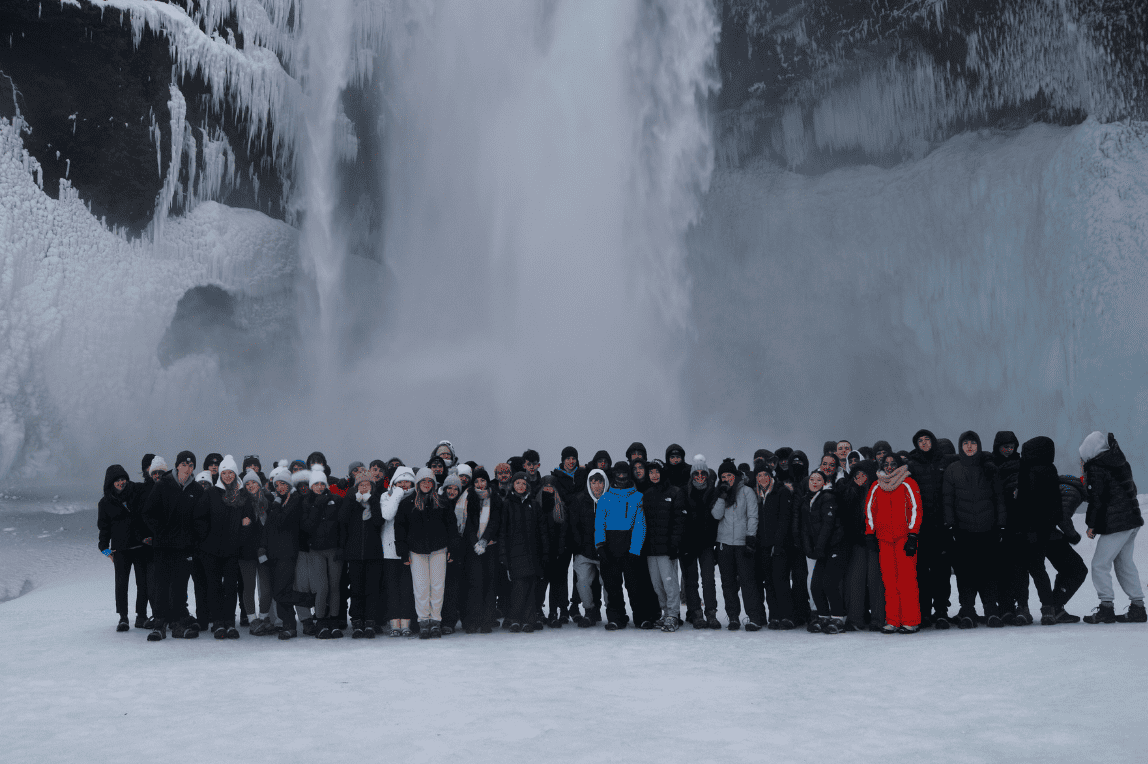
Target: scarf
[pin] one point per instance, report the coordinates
(231, 495)
(460, 512)
(259, 503)
(484, 513)
(892, 482)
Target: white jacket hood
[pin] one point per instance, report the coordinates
(1093, 446)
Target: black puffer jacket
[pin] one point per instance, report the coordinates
(321, 520)
(568, 485)
(281, 534)
(1112, 503)
(176, 514)
(470, 535)
(523, 544)
(582, 525)
(226, 533)
(556, 532)
(851, 503)
(822, 531)
(927, 468)
(424, 531)
(700, 531)
(972, 496)
(666, 509)
(775, 518)
(118, 518)
(1038, 503)
(1008, 469)
(362, 539)
(1072, 495)
(676, 474)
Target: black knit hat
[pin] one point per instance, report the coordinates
(727, 466)
(568, 452)
(480, 473)
(185, 456)
(211, 460)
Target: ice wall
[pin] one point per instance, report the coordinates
(996, 284)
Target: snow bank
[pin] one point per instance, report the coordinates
(82, 311)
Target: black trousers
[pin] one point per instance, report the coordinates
(522, 600)
(400, 591)
(222, 588)
(480, 582)
(557, 582)
(283, 590)
(172, 571)
(366, 582)
(976, 564)
(773, 571)
(1070, 570)
(203, 601)
(828, 576)
(798, 571)
(502, 587)
(736, 565)
(627, 569)
(693, 564)
(454, 593)
(1032, 558)
(863, 586)
(1012, 572)
(124, 560)
(934, 570)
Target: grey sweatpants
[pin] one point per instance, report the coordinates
(1116, 549)
(253, 570)
(664, 577)
(585, 571)
(311, 578)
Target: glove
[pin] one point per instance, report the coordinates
(911, 545)
(751, 543)
(871, 543)
(108, 552)
(1074, 539)
(480, 547)
(148, 541)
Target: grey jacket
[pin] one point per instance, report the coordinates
(738, 520)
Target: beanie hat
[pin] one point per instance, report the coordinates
(185, 456)
(783, 453)
(481, 474)
(520, 476)
(302, 465)
(620, 466)
(674, 448)
(201, 477)
(699, 464)
(727, 467)
(211, 459)
(157, 464)
(249, 461)
(251, 476)
(354, 466)
(452, 480)
(882, 445)
(318, 476)
(280, 474)
(302, 477)
(568, 452)
(364, 478)
(425, 474)
(228, 463)
(403, 473)
(464, 469)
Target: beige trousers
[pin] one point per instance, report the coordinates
(429, 574)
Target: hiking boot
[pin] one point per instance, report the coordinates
(158, 633)
(942, 623)
(711, 620)
(141, 622)
(447, 630)
(1063, 616)
(647, 625)
(888, 629)
(528, 628)
(1009, 618)
(123, 624)
(287, 634)
(1023, 616)
(751, 626)
(1135, 614)
(909, 629)
(994, 622)
(424, 629)
(967, 622)
(232, 632)
(814, 626)
(833, 626)
(220, 632)
(255, 625)
(310, 626)
(485, 630)
(369, 629)
(734, 624)
(1106, 613)
(435, 630)
(1048, 615)
(786, 624)
(611, 626)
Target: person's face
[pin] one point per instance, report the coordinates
(228, 477)
(639, 471)
(520, 486)
(771, 462)
(405, 485)
(969, 447)
(728, 478)
(426, 485)
(764, 480)
(255, 465)
(700, 477)
(443, 452)
(377, 473)
(783, 464)
(853, 459)
(358, 474)
(295, 468)
(318, 488)
(655, 476)
(252, 487)
(602, 465)
(502, 475)
(184, 470)
(213, 469)
(156, 474)
(119, 484)
(597, 486)
(925, 443)
(205, 484)
(437, 467)
(531, 467)
(828, 464)
(569, 463)
(1007, 449)
(843, 449)
(451, 492)
(880, 457)
(634, 455)
(480, 484)
(364, 485)
(282, 487)
(890, 464)
(860, 478)
(465, 480)
(393, 464)
(816, 481)
(675, 459)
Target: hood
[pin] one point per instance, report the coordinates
(969, 435)
(605, 480)
(762, 453)
(111, 475)
(921, 432)
(674, 448)
(1094, 445)
(1038, 451)
(636, 446)
(453, 456)
(860, 458)
(600, 455)
(869, 467)
(794, 469)
(945, 447)
(627, 471)
(882, 445)
(1004, 438)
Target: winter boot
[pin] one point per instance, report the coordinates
(435, 629)
(158, 633)
(888, 629)
(942, 623)
(751, 626)
(1135, 614)
(711, 620)
(1023, 616)
(255, 626)
(814, 626)
(369, 629)
(1047, 615)
(336, 632)
(968, 621)
(1106, 613)
(909, 629)
(123, 624)
(141, 622)
(220, 631)
(1063, 616)
(286, 634)
(786, 625)
(1009, 618)
(309, 627)
(529, 628)
(243, 620)
(994, 622)
(833, 626)
(357, 629)
(697, 619)
(734, 624)
(850, 626)
(232, 632)
(424, 629)
(611, 626)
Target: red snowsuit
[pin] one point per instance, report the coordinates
(891, 516)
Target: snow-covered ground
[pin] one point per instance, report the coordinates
(74, 690)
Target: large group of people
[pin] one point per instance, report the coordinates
(398, 550)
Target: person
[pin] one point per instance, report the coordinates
(1012, 573)
(974, 515)
(823, 540)
(254, 566)
(934, 556)
(378, 473)
(361, 526)
(281, 548)
(634, 452)
(121, 538)
(523, 545)
(400, 592)
(735, 509)
(863, 576)
(557, 561)
(774, 528)
(482, 520)
(1113, 515)
(445, 451)
(568, 475)
(619, 531)
(601, 461)
(677, 471)
(321, 522)
(893, 515)
(211, 463)
(531, 461)
(251, 462)
(425, 533)
(587, 565)
(177, 524)
(1071, 571)
(664, 507)
(842, 449)
(638, 469)
(228, 518)
(696, 553)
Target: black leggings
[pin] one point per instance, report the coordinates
(125, 560)
(222, 584)
(828, 575)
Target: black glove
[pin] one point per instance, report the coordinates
(1073, 539)
(871, 542)
(911, 545)
(751, 543)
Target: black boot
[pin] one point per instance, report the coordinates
(1106, 613)
(123, 624)
(141, 622)
(1063, 616)
(369, 629)
(711, 620)
(158, 633)
(1135, 614)
(1023, 617)
(357, 629)
(1048, 615)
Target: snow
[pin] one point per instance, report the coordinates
(79, 691)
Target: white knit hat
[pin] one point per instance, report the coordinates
(228, 463)
(425, 474)
(205, 475)
(280, 473)
(403, 473)
(302, 477)
(157, 463)
(318, 476)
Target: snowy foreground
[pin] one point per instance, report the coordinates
(74, 690)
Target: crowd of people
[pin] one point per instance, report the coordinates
(398, 550)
